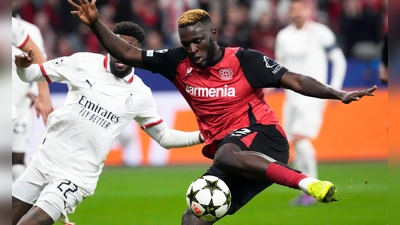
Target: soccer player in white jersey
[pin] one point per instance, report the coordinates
(23, 96)
(304, 47)
(22, 40)
(104, 96)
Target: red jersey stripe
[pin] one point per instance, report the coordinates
(45, 74)
(130, 80)
(151, 124)
(24, 42)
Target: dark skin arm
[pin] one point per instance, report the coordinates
(309, 86)
(117, 47)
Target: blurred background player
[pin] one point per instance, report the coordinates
(21, 40)
(23, 96)
(304, 47)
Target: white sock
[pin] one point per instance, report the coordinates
(305, 159)
(304, 183)
(17, 170)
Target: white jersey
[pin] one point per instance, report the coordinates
(20, 88)
(305, 51)
(98, 106)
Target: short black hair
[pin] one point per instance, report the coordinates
(131, 29)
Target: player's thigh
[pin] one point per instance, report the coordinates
(25, 191)
(28, 186)
(19, 209)
(60, 198)
(269, 140)
(242, 189)
(36, 216)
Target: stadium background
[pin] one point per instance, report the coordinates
(352, 145)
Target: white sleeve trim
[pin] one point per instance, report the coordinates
(170, 138)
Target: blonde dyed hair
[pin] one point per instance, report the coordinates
(193, 16)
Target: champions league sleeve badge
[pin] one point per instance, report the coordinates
(128, 101)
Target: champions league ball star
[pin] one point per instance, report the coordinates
(208, 198)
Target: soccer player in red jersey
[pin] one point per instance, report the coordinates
(224, 88)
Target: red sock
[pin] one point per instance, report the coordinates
(283, 175)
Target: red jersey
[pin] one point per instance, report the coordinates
(225, 96)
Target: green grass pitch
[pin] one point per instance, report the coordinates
(149, 196)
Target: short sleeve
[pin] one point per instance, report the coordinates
(148, 115)
(163, 61)
(60, 69)
(19, 35)
(260, 70)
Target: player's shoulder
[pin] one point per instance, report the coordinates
(250, 57)
(287, 30)
(79, 60)
(30, 27)
(319, 27)
(139, 82)
(139, 86)
(89, 57)
(247, 52)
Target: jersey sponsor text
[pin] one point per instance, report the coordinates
(97, 114)
(224, 91)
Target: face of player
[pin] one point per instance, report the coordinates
(299, 13)
(117, 68)
(199, 41)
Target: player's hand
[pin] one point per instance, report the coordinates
(357, 95)
(86, 11)
(24, 59)
(43, 107)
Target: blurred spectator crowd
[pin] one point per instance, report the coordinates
(358, 24)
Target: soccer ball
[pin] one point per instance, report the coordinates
(208, 198)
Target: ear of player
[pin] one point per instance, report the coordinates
(208, 198)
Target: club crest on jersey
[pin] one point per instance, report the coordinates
(226, 74)
(189, 71)
(128, 101)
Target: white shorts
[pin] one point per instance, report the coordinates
(304, 117)
(57, 197)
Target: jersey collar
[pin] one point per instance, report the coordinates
(106, 64)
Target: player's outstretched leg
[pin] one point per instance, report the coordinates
(254, 165)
